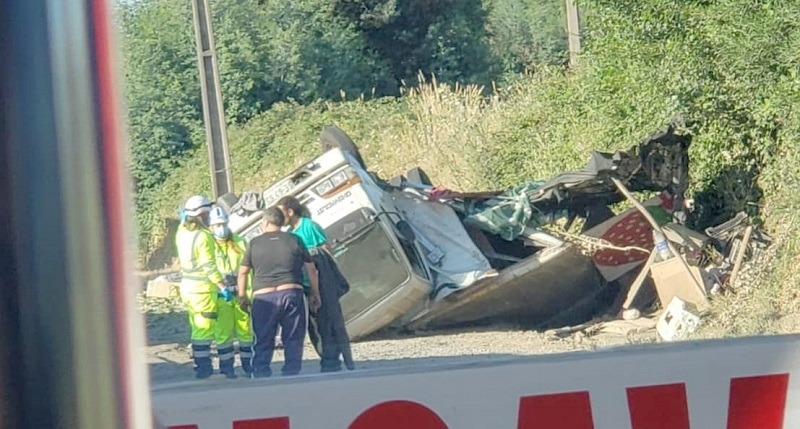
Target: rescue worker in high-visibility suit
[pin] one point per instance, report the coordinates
(232, 321)
(201, 283)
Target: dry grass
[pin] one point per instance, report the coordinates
(445, 130)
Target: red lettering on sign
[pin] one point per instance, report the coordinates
(398, 415)
(560, 411)
(658, 407)
(183, 427)
(271, 423)
(758, 402)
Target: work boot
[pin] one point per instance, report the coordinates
(330, 365)
(246, 357)
(201, 372)
(202, 361)
(226, 368)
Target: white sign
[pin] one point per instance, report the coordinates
(735, 384)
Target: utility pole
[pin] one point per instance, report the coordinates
(213, 112)
(573, 32)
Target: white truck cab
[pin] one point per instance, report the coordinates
(387, 275)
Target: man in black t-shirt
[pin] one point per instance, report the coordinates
(277, 260)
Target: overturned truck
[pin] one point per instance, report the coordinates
(423, 257)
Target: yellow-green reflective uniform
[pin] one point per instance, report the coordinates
(200, 276)
(232, 321)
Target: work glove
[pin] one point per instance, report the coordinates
(226, 294)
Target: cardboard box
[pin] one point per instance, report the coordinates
(671, 279)
(162, 287)
(677, 321)
(683, 235)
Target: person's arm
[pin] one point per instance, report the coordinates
(243, 277)
(241, 286)
(314, 301)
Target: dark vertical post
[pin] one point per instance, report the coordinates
(573, 32)
(213, 111)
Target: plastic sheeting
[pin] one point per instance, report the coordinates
(438, 229)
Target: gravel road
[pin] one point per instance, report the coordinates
(169, 357)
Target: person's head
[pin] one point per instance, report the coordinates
(272, 219)
(292, 209)
(218, 223)
(196, 210)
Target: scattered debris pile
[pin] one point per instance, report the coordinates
(686, 267)
(481, 257)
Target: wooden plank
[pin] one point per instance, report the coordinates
(636, 286)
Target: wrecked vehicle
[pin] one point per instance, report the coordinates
(423, 257)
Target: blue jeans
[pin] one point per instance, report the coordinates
(286, 309)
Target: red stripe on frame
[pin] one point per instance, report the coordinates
(398, 415)
(658, 407)
(560, 411)
(758, 402)
(113, 170)
(272, 423)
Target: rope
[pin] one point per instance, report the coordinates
(595, 244)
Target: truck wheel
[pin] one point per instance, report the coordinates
(418, 175)
(226, 201)
(333, 137)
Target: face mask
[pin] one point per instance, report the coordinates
(220, 231)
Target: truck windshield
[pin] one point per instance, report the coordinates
(373, 268)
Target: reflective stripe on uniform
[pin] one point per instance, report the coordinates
(225, 345)
(245, 349)
(209, 315)
(189, 256)
(201, 353)
(201, 349)
(225, 351)
(192, 259)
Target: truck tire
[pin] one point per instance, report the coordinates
(333, 137)
(418, 175)
(226, 201)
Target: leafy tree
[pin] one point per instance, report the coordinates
(525, 35)
(442, 37)
(290, 50)
(162, 92)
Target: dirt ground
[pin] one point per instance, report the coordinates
(169, 355)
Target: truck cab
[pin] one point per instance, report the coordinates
(372, 244)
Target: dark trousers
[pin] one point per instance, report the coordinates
(330, 338)
(286, 309)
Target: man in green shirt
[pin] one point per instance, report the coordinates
(326, 327)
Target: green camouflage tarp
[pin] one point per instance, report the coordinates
(508, 214)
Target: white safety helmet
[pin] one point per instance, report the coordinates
(196, 205)
(217, 216)
(218, 223)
